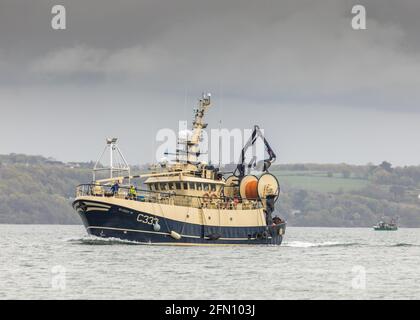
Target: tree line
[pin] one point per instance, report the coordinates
(35, 189)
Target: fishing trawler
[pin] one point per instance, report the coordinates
(186, 201)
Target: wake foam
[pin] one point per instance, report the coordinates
(303, 244)
(92, 240)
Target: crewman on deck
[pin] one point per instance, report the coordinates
(97, 190)
(115, 187)
(270, 200)
(132, 193)
(235, 201)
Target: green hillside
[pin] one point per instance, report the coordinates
(319, 181)
(37, 190)
(344, 195)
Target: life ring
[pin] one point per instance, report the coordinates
(213, 196)
(265, 234)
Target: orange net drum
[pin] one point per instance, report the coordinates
(252, 188)
(248, 187)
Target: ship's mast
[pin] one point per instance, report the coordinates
(191, 151)
(118, 166)
(193, 143)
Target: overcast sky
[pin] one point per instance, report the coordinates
(322, 91)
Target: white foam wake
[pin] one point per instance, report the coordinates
(99, 241)
(303, 244)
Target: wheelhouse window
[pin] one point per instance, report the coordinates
(157, 186)
(206, 186)
(213, 187)
(163, 186)
(178, 185)
(192, 185)
(171, 186)
(199, 186)
(185, 186)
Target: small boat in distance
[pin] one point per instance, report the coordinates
(387, 226)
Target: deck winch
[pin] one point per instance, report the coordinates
(252, 187)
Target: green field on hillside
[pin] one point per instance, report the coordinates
(318, 181)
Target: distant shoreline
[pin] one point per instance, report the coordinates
(38, 190)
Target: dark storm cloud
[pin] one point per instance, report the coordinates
(274, 56)
(297, 49)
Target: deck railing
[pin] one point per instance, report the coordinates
(170, 198)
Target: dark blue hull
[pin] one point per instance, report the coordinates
(127, 224)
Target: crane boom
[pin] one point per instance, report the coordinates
(256, 133)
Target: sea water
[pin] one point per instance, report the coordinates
(63, 262)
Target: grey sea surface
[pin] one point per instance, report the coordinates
(63, 262)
